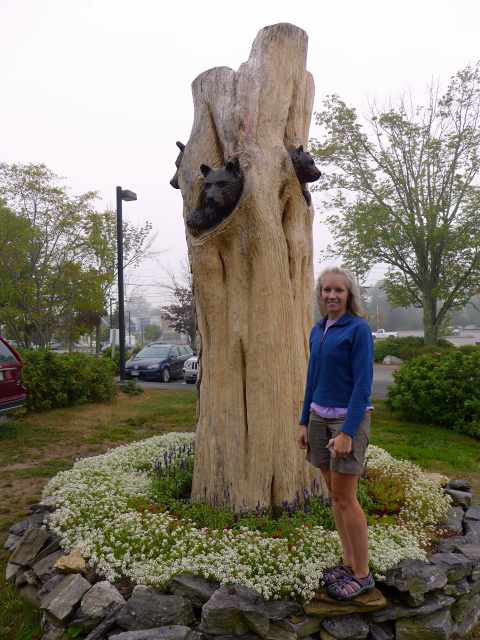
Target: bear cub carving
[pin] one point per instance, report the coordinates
(178, 162)
(305, 169)
(223, 189)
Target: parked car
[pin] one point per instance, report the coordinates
(381, 334)
(477, 341)
(190, 370)
(54, 345)
(13, 343)
(455, 332)
(470, 327)
(158, 362)
(12, 394)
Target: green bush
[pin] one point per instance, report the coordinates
(59, 380)
(407, 353)
(391, 346)
(443, 389)
(467, 349)
(107, 354)
(131, 388)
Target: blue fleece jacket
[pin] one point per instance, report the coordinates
(341, 374)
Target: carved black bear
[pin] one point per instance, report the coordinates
(178, 161)
(223, 189)
(305, 169)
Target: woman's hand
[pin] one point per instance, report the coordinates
(342, 445)
(303, 437)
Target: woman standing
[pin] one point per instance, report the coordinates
(335, 423)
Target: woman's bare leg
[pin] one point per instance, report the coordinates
(338, 517)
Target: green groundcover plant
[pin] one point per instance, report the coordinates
(118, 510)
(59, 380)
(437, 388)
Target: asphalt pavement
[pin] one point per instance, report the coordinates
(381, 379)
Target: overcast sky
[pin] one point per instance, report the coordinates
(99, 90)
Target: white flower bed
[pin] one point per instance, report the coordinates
(150, 548)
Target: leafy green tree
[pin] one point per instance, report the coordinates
(43, 267)
(152, 332)
(405, 193)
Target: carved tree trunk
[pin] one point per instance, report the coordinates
(253, 275)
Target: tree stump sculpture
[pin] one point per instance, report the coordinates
(253, 272)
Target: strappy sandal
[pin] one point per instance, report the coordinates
(337, 573)
(350, 587)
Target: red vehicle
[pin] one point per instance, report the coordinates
(12, 394)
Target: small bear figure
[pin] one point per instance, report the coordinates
(223, 189)
(305, 169)
(178, 161)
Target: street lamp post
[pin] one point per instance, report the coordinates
(128, 196)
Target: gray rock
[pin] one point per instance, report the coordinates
(460, 498)
(413, 579)
(304, 628)
(30, 593)
(40, 508)
(28, 547)
(471, 551)
(32, 522)
(392, 360)
(454, 519)
(52, 629)
(349, 627)
(31, 578)
(46, 551)
(105, 626)
(173, 632)
(235, 610)
(101, 600)
(448, 545)
(12, 571)
(278, 609)
(44, 568)
(472, 514)
(12, 542)
(151, 610)
(472, 528)
(20, 578)
(435, 626)
(80, 620)
(433, 602)
(468, 623)
(50, 585)
(459, 485)
(464, 607)
(473, 586)
(197, 590)
(381, 633)
(63, 599)
(455, 565)
(277, 633)
(457, 589)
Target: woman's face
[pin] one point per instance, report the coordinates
(335, 295)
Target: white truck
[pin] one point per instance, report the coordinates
(381, 334)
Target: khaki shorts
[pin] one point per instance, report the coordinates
(321, 430)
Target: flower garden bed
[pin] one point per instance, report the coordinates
(108, 508)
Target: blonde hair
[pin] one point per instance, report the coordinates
(355, 303)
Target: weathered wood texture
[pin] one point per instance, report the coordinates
(253, 274)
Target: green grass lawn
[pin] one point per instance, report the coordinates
(34, 449)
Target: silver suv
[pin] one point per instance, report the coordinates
(190, 370)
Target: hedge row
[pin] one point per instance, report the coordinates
(392, 347)
(60, 380)
(439, 388)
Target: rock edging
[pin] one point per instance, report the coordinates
(426, 600)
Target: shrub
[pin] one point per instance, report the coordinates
(391, 346)
(440, 388)
(107, 354)
(131, 388)
(407, 353)
(468, 349)
(59, 380)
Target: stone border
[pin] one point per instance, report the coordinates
(431, 600)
